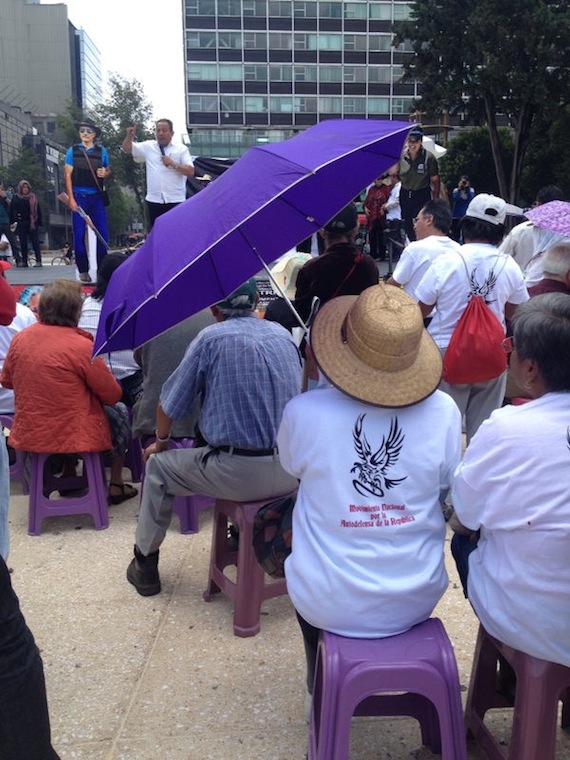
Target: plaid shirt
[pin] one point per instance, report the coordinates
(246, 369)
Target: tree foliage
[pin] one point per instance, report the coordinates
(470, 153)
(493, 61)
(125, 106)
(26, 166)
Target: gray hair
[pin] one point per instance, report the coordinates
(542, 334)
(556, 260)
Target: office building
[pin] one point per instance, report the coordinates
(260, 70)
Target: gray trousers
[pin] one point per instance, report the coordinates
(222, 475)
(477, 402)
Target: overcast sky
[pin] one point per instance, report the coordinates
(142, 40)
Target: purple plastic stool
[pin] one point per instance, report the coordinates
(18, 471)
(539, 687)
(94, 502)
(188, 508)
(413, 674)
(252, 586)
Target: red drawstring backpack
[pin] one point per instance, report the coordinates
(475, 352)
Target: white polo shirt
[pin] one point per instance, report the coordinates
(417, 257)
(163, 183)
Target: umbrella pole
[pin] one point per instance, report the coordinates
(277, 287)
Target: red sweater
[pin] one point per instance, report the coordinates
(59, 391)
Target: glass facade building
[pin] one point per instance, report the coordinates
(90, 78)
(260, 70)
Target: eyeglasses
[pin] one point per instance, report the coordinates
(86, 130)
(509, 345)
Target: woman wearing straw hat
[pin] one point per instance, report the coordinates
(373, 451)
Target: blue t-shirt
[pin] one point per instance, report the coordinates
(69, 162)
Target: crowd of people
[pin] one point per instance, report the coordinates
(373, 446)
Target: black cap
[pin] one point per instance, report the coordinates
(345, 221)
(416, 133)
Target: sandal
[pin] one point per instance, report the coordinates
(127, 492)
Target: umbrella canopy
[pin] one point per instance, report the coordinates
(272, 198)
(553, 216)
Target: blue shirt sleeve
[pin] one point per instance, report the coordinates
(69, 156)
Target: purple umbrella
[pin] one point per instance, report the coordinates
(272, 198)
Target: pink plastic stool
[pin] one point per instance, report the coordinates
(539, 687)
(18, 472)
(94, 502)
(252, 586)
(413, 674)
(187, 508)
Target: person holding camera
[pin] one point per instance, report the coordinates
(461, 198)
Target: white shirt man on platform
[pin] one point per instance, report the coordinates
(168, 165)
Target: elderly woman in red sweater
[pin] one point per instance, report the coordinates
(65, 402)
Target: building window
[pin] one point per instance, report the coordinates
(355, 105)
(354, 10)
(402, 105)
(385, 74)
(379, 105)
(304, 9)
(198, 72)
(255, 104)
(280, 41)
(231, 103)
(280, 73)
(255, 41)
(279, 8)
(230, 40)
(379, 42)
(200, 7)
(198, 40)
(203, 103)
(231, 72)
(317, 41)
(229, 7)
(307, 105)
(383, 11)
(330, 105)
(305, 73)
(254, 7)
(330, 73)
(283, 104)
(331, 10)
(356, 73)
(252, 73)
(354, 42)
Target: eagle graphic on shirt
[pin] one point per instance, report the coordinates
(484, 290)
(373, 468)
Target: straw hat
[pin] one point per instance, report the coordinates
(374, 347)
(286, 270)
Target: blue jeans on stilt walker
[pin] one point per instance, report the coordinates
(92, 204)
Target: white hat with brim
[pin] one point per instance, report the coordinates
(285, 271)
(374, 347)
(492, 209)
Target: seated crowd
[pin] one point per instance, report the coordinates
(374, 449)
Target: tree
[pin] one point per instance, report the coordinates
(470, 153)
(493, 61)
(26, 166)
(125, 106)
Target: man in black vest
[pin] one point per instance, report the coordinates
(86, 169)
(419, 174)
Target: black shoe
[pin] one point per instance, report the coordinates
(143, 573)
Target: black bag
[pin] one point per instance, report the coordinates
(272, 535)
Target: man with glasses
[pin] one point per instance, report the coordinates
(86, 169)
(432, 226)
